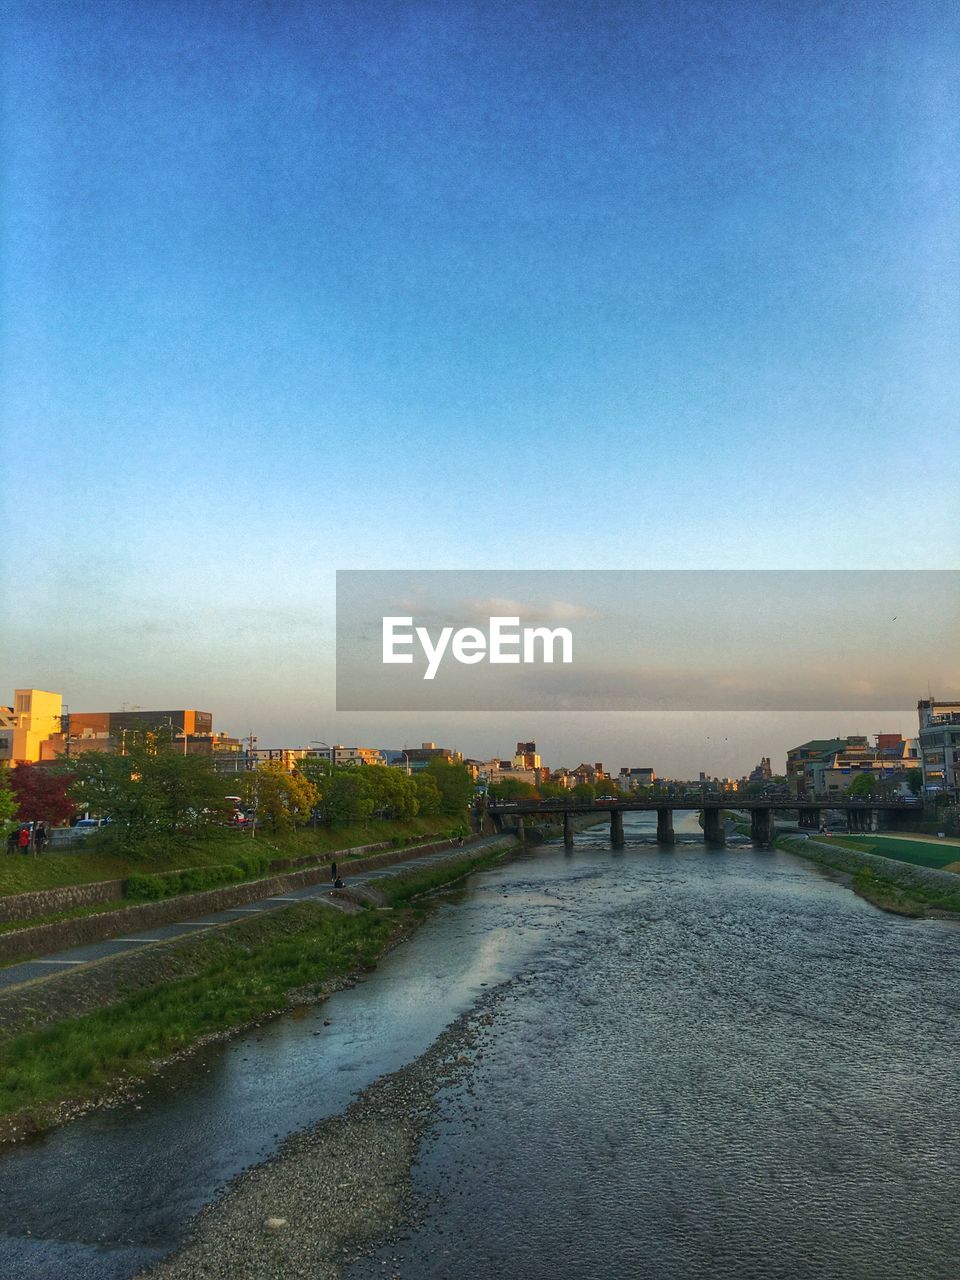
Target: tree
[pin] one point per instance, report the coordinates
(454, 784)
(862, 787)
(512, 789)
(282, 800)
(42, 793)
(152, 791)
(585, 791)
(915, 781)
(8, 801)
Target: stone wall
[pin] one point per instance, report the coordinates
(47, 902)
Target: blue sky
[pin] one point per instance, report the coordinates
(291, 287)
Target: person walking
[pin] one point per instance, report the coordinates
(40, 837)
(13, 840)
(334, 875)
(23, 840)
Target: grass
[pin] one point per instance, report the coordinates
(21, 874)
(919, 853)
(240, 981)
(72, 913)
(913, 899)
(83, 1057)
(400, 890)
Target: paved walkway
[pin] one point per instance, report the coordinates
(26, 970)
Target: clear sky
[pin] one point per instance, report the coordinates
(290, 287)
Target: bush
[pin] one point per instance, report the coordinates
(195, 879)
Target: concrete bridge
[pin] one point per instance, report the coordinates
(862, 815)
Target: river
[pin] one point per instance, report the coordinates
(701, 1063)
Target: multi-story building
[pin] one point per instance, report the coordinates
(629, 779)
(940, 747)
(799, 757)
(416, 759)
(525, 756)
(888, 761)
(342, 756)
(25, 727)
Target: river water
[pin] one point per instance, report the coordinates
(701, 1064)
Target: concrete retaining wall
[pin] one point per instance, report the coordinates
(46, 938)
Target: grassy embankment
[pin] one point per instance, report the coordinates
(237, 981)
(923, 852)
(227, 852)
(906, 898)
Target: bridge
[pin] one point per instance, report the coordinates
(862, 815)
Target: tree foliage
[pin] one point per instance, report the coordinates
(281, 800)
(42, 793)
(152, 790)
(862, 787)
(8, 801)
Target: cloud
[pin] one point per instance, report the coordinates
(554, 611)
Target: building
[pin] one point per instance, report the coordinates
(799, 757)
(342, 756)
(525, 756)
(630, 779)
(35, 717)
(287, 757)
(416, 759)
(888, 761)
(761, 772)
(939, 747)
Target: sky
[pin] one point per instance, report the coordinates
(289, 288)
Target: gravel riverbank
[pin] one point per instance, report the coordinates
(336, 1189)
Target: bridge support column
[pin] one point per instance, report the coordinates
(814, 822)
(616, 829)
(568, 829)
(762, 826)
(713, 826)
(665, 826)
(521, 831)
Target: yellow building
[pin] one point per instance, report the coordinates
(34, 717)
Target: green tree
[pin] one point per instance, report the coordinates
(428, 794)
(862, 787)
(454, 784)
(915, 780)
(154, 790)
(8, 801)
(512, 789)
(585, 791)
(282, 800)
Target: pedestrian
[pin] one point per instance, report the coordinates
(23, 840)
(40, 836)
(13, 840)
(333, 871)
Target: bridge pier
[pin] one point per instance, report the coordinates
(713, 826)
(521, 831)
(568, 829)
(762, 826)
(616, 829)
(665, 826)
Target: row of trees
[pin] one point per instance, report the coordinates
(154, 790)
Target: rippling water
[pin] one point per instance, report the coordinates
(702, 1064)
(716, 1065)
